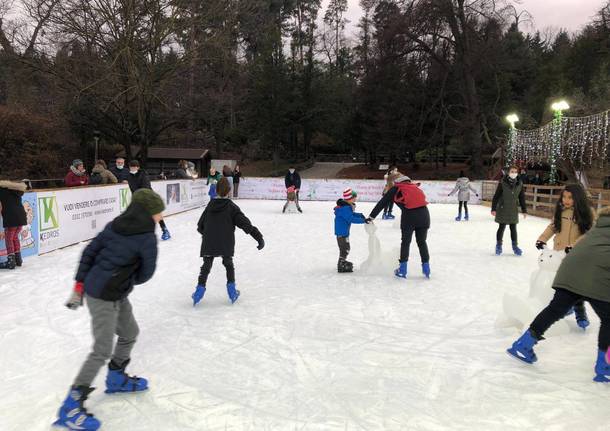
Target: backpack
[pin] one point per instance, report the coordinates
(410, 196)
(96, 178)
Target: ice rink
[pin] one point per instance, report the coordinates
(306, 348)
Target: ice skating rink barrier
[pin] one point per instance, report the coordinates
(61, 217)
(58, 218)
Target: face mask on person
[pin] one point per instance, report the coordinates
(513, 175)
(132, 172)
(120, 167)
(291, 171)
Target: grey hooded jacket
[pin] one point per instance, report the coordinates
(463, 186)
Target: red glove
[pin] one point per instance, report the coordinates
(76, 298)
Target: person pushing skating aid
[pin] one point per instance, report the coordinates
(344, 217)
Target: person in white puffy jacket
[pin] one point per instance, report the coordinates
(463, 188)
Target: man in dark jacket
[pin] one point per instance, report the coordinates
(119, 171)
(217, 228)
(122, 255)
(293, 179)
(415, 218)
(584, 274)
(138, 179)
(13, 220)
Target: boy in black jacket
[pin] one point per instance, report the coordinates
(217, 228)
(122, 255)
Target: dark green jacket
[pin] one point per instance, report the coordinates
(510, 194)
(586, 269)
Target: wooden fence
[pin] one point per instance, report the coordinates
(541, 200)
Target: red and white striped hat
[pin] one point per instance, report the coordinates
(348, 193)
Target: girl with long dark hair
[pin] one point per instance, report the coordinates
(572, 219)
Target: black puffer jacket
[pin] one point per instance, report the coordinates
(120, 174)
(13, 213)
(217, 227)
(122, 255)
(139, 181)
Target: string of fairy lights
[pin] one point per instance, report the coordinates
(584, 141)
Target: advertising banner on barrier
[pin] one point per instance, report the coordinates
(70, 216)
(331, 190)
(29, 233)
(182, 195)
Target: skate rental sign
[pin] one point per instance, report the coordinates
(331, 190)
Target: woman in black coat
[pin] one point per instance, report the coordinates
(13, 219)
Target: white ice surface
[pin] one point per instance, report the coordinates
(306, 348)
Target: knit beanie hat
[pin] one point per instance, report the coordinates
(77, 162)
(349, 194)
(152, 202)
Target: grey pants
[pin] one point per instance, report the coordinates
(108, 318)
(344, 247)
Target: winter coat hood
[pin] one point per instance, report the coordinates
(13, 185)
(219, 204)
(134, 221)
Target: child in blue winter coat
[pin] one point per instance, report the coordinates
(124, 254)
(344, 217)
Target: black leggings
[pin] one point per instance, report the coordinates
(162, 224)
(561, 304)
(208, 261)
(513, 233)
(421, 234)
(465, 208)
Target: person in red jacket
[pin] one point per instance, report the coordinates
(415, 219)
(77, 175)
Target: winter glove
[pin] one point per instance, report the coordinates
(568, 249)
(369, 220)
(76, 298)
(540, 245)
(258, 236)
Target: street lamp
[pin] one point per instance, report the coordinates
(560, 106)
(96, 138)
(512, 119)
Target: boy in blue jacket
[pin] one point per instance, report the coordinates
(344, 217)
(122, 255)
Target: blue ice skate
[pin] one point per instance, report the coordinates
(517, 250)
(165, 235)
(459, 217)
(118, 381)
(401, 272)
(232, 292)
(198, 294)
(602, 369)
(73, 415)
(425, 267)
(498, 249)
(583, 323)
(391, 216)
(466, 217)
(523, 348)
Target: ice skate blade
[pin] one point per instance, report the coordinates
(514, 354)
(118, 391)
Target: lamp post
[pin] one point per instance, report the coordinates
(96, 138)
(558, 108)
(512, 132)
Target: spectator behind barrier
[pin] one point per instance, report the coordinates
(101, 175)
(119, 170)
(77, 176)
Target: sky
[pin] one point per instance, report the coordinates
(568, 14)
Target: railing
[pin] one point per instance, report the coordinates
(450, 158)
(541, 200)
